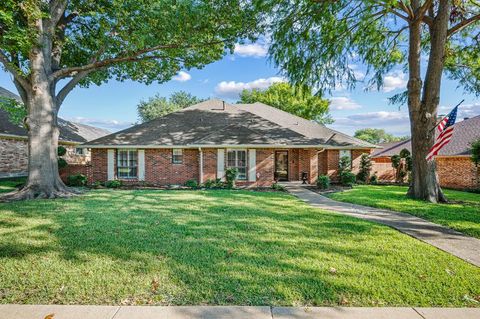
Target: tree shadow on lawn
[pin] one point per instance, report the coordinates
(230, 247)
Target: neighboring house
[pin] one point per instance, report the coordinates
(200, 142)
(14, 142)
(454, 166)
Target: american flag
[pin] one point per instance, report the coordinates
(445, 132)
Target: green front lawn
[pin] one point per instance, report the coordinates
(216, 247)
(462, 213)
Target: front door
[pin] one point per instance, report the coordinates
(281, 165)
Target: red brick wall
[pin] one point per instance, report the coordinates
(382, 167)
(457, 172)
(333, 158)
(73, 169)
(99, 166)
(265, 167)
(294, 165)
(453, 172)
(323, 163)
(159, 169)
(209, 164)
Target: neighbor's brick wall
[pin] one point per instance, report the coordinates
(457, 172)
(453, 172)
(13, 157)
(382, 167)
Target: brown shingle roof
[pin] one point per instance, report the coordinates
(214, 122)
(69, 131)
(464, 133)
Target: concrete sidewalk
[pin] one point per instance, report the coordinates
(234, 312)
(453, 242)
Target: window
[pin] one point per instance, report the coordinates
(79, 151)
(238, 159)
(346, 153)
(127, 163)
(177, 156)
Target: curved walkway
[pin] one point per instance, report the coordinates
(446, 239)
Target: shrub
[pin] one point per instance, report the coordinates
(191, 183)
(278, 187)
(323, 182)
(77, 180)
(62, 163)
(344, 164)
(113, 184)
(97, 184)
(61, 150)
(365, 168)
(231, 175)
(347, 178)
(374, 179)
(213, 183)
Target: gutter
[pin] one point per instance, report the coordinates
(257, 146)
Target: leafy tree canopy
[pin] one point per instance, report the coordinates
(15, 110)
(319, 43)
(158, 106)
(298, 101)
(93, 41)
(376, 136)
(476, 152)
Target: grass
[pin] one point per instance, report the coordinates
(218, 248)
(462, 213)
(8, 185)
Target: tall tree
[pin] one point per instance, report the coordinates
(158, 106)
(317, 42)
(49, 47)
(299, 101)
(376, 136)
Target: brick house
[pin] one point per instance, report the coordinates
(14, 142)
(200, 142)
(454, 166)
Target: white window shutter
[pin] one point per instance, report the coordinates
(111, 164)
(252, 165)
(141, 165)
(221, 163)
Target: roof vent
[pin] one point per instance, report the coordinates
(465, 118)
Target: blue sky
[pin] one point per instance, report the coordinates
(113, 105)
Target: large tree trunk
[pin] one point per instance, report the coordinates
(43, 176)
(423, 107)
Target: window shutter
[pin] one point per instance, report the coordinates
(141, 165)
(110, 164)
(221, 164)
(252, 165)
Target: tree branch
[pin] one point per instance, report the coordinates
(13, 70)
(69, 87)
(463, 24)
(135, 56)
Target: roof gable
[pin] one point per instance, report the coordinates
(69, 131)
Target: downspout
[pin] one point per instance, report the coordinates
(200, 163)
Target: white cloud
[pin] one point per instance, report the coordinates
(251, 50)
(464, 110)
(231, 89)
(343, 103)
(395, 80)
(393, 122)
(182, 76)
(111, 125)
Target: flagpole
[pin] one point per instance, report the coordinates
(448, 113)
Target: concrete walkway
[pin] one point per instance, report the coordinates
(453, 242)
(234, 312)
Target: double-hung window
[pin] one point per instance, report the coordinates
(177, 156)
(127, 161)
(238, 159)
